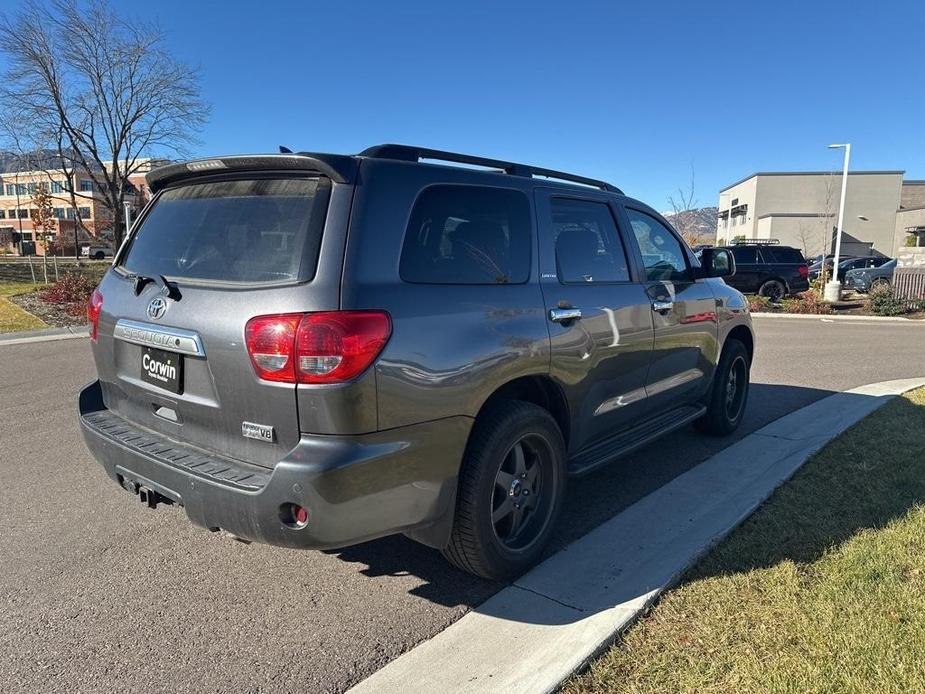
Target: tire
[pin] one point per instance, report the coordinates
(879, 282)
(98, 256)
(724, 411)
(775, 290)
(499, 529)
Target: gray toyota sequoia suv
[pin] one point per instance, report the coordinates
(313, 350)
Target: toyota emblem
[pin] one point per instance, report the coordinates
(157, 307)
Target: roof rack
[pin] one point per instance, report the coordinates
(755, 242)
(410, 153)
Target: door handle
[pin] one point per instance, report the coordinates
(563, 315)
(662, 306)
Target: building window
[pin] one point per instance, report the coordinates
(59, 213)
(20, 188)
(56, 187)
(24, 213)
(32, 187)
(86, 186)
(85, 213)
(2, 214)
(27, 236)
(71, 214)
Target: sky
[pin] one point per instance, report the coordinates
(635, 93)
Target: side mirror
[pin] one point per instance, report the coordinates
(717, 262)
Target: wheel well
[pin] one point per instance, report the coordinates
(539, 390)
(775, 279)
(743, 335)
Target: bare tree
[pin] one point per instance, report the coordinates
(43, 216)
(99, 91)
(683, 208)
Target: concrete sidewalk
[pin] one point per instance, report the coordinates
(547, 625)
(834, 317)
(48, 335)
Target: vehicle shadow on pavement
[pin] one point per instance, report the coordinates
(590, 501)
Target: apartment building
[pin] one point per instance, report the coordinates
(801, 210)
(84, 215)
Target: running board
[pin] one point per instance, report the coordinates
(604, 452)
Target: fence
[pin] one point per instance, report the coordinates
(35, 269)
(909, 285)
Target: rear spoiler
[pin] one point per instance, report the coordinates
(337, 167)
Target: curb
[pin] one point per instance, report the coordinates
(832, 317)
(551, 622)
(49, 335)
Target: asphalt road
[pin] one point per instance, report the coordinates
(99, 594)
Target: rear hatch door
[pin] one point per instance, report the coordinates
(208, 255)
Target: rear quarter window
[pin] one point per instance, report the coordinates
(468, 235)
(242, 231)
(782, 255)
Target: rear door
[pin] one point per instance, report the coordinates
(599, 316)
(683, 312)
(749, 272)
(206, 257)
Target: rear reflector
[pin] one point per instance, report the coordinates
(94, 308)
(325, 347)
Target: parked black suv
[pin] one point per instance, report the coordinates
(313, 350)
(769, 270)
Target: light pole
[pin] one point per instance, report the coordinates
(832, 290)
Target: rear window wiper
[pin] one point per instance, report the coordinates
(139, 282)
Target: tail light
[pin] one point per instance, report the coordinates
(804, 271)
(271, 343)
(325, 347)
(94, 308)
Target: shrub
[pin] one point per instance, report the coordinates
(882, 301)
(807, 302)
(72, 291)
(760, 303)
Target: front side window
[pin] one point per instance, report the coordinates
(242, 231)
(588, 247)
(662, 253)
(468, 235)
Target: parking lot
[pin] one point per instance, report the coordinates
(102, 594)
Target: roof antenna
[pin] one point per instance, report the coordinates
(284, 150)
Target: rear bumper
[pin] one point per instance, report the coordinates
(798, 285)
(355, 488)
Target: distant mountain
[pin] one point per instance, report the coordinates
(697, 225)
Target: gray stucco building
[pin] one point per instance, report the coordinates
(801, 209)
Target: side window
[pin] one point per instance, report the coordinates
(588, 247)
(745, 255)
(468, 235)
(662, 253)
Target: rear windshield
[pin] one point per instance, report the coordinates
(244, 231)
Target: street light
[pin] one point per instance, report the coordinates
(832, 290)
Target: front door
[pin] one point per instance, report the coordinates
(600, 321)
(683, 312)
